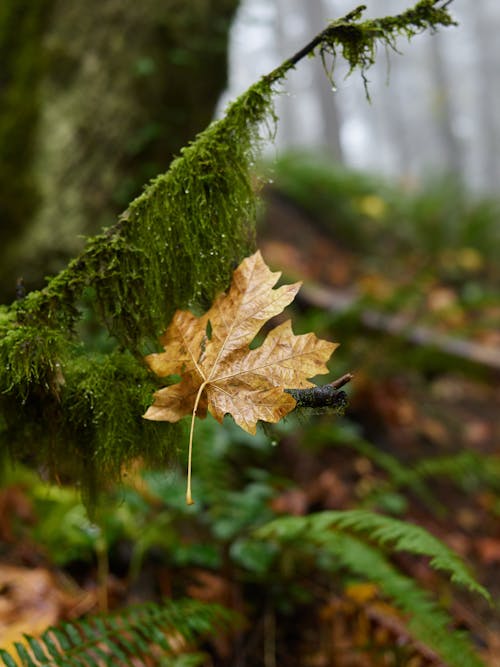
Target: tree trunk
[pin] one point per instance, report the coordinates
(452, 154)
(99, 96)
(487, 98)
(316, 17)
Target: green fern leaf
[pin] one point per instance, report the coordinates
(403, 536)
(60, 636)
(332, 533)
(36, 648)
(7, 660)
(122, 638)
(24, 656)
(427, 622)
(50, 646)
(72, 634)
(101, 657)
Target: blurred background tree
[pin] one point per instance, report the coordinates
(96, 98)
(431, 111)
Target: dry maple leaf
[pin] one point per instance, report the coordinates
(219, 371)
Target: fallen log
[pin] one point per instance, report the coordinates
(341, 301)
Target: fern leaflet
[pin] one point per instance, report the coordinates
(383, 530)
(125, 638)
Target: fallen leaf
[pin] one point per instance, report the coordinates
(362, 592)
(220, 373)
(31, 599)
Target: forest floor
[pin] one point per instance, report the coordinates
(419, 441)
(430, 400)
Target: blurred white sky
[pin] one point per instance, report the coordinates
(433, 108)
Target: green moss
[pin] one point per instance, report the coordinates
(357, 42)
(30, 356)
(177, 243)
(102, 402)
(89, 425)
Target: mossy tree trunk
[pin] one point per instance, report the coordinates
(96, 99)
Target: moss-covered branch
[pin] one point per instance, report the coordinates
(177, 243)
(174, 247)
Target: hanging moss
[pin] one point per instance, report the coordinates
(175, 247)
(177, 243)
(89, 424)
(103, 401)
(358, 42)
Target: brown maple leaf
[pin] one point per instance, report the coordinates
(219, 371)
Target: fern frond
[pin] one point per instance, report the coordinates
(123, 638)
(383, 530)
(404, 536)
(425, 619)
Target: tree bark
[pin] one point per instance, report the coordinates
(316, 16)
(452, 153)
(112, 90)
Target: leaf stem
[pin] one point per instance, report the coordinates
(189, 497)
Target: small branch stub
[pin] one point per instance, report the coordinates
(321, 397)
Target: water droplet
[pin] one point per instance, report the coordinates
(274, 443)
(186, 191)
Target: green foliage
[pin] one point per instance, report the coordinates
(469, 470)
(331, 532)
(139, 632)
(232, 493)
(234, 528)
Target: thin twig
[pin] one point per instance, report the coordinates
(320, 37)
